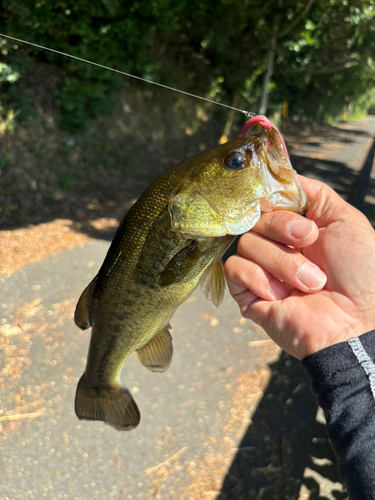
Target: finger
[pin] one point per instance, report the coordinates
(272, 318)
(263, 313)
(245, 275)
(287, 228)
(282, 262)
(238, 287)
(325, 206)
(245, 300)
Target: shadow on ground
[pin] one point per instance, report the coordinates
(357, 187)
(283, 444)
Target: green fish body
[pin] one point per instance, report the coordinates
(170, 242)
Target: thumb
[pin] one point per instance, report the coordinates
(325, 206)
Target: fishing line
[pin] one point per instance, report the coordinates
(247, 113)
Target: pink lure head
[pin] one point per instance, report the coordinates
(266, 124)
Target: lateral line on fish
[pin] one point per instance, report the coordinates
(246, 113)
(115, 262)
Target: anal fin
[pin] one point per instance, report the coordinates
(213, 285)
(156, 355)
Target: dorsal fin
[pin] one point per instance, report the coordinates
(156, 355)
(82, 316)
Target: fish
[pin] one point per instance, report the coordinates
(171, 241)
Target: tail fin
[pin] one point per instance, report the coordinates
(114, 405)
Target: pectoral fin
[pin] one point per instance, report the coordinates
(156, 355)
(213, 285)
(179, 268)
(82, 313)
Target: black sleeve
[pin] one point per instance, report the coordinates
(343, 378)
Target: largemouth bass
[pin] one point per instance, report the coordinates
(169, 242)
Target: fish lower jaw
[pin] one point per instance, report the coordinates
(278, 201)
(242, 224)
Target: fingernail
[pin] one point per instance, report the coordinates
(301, 229)
(311, 276)
(278, 290)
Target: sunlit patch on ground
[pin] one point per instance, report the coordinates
(33, 244)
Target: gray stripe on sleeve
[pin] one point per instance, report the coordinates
(365, 361)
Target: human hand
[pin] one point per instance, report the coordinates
(321, 291)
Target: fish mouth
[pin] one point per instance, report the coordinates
(292, 199)
(266, 124)
(283, 186)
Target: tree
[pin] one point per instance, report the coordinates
(316, 55)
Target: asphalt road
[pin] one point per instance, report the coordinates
(230, 419)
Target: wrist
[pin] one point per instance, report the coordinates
(334, 336)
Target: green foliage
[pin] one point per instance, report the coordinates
(5, 161)
(81, 101)
(7, 74)
(14, 89)
(323, 62)
(326, 66)
(66, 181)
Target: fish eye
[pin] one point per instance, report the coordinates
(235, 161)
